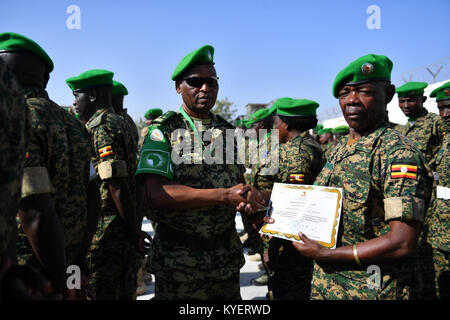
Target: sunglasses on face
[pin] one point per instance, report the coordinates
(198, 82)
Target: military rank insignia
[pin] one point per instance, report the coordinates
(404, 170)
(297, 177)
(105, 151)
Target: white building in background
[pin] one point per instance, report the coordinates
(395, 113)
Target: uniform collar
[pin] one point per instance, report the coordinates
(364, 144)
(97, 114)
(422, 113)
(33, 92)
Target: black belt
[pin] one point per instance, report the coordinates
(168, 234)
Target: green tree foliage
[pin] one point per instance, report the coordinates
(226, 109)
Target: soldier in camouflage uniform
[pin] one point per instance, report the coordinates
(386, 189)
(14, 137)
(16, 282)
(438, 221)
(56, 171)
(119, 91)
(326, 140)
(118, 235)
(424, 129)
(301, 159)
(196, 252)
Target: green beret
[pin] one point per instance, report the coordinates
(441, 93)
(411, 89)
(203, 54)
(260, 115)
(297, 107)
(318, 127)
(10, 41)
(151, 113)
(325, 130)
(119, 88)
(247, 123)
(370, 67)
(340, 129)
(90, 78)
(278, 102)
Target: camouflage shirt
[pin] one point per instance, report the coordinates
(131, 127)
(301, 160)
(426, 133)
(186, 261)
(384, 178)
(439, 221)
(113, 154)
(57, 161)
(14, 135)
(259, 160)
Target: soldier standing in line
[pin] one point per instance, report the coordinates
(119, 91)
(424, 129)
(119, 234)
(439, 221)
(15, 129)
(59, 202)
(301, 159)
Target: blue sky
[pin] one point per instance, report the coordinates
(263, 49)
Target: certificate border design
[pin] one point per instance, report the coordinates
(336, 216)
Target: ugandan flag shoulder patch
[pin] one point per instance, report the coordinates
(105, 151)
(404, 170)
(296, 177)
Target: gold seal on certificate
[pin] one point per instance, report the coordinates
(312, 210)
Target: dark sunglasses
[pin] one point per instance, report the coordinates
(198, 82)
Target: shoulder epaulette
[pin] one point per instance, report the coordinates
(97, 121)
(164, 117)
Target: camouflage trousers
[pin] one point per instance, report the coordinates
(441, 262)
(350, 282)
(115, 261)
(228, 289)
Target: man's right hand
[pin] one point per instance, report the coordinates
(233, 197)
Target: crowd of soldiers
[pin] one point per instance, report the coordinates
(75, 187)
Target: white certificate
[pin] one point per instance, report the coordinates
(312, 210)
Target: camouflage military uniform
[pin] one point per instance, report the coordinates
(114, 156)
(439, 225)
(327, 148)
(57, 162)
(131, 126)
(301, 160)
(195, 253)
(426, 132)
(14, 135)
(383, 177)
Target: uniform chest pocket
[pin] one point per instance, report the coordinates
(356, 184)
